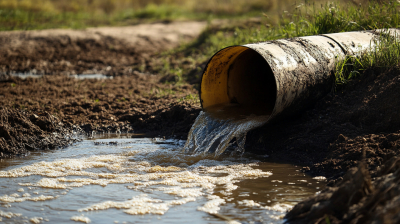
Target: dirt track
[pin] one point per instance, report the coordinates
(106, 50)
(328, 139)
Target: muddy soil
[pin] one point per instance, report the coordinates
(358, 198)
(130, 102)
(135, 104)
(329, 137)
(104, 50)
(21, 131)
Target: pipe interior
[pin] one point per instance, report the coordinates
(250, 84)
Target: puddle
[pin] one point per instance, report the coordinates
(144, 180)
(79, 76)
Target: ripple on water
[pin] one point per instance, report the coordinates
(139, 180)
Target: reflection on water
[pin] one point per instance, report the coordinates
(145, 180)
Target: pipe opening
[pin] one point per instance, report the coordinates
(238, 82)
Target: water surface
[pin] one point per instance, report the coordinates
(144, 180)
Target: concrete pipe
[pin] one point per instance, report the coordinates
(278, 77)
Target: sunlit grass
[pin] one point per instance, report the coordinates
(42, 14)
(383, 56)
(303, 20)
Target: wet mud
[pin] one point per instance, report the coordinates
(134, 104)
(21, 132)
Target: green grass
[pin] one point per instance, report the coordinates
(44, 14)
(303, 20)
(382, 57)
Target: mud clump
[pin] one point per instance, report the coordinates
(358, 198)
(22, 131)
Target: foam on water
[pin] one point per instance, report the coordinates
(213, 134)
(137, 179)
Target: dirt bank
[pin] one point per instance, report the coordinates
(329, 137)
(358, 198)
(21, 131)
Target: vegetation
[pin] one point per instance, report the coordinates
(305, 19)
(383, 56)
(42, 14)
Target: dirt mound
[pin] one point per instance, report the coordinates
(21, 131)
(356, 199)
(326, 139)
(107, 50)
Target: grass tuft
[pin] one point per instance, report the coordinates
(382, 57)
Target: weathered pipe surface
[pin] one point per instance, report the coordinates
(280, 76)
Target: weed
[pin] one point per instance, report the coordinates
(13, 84)
(302, 20)
(384, 54)
(193, 98)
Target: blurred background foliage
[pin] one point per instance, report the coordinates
(42, 14)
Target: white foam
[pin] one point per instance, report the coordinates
(9, 215)
(80, 219)
(187, 177)
(212, 206)
(36, 220)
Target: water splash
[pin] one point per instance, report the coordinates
(214, 134)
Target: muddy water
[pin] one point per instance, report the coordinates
(142, 180)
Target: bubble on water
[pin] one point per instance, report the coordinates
(80, 219)
(212, 206)
(186, 177)
(36, 220)
(279, 207)
(249, 203)
(210, 134)
(9, 215)
(10, 199)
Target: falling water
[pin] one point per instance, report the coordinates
(214, 130)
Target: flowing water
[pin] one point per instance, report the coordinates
(223, 126)
(143, 180)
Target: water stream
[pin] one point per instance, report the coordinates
(223, 126)
(119, 179)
